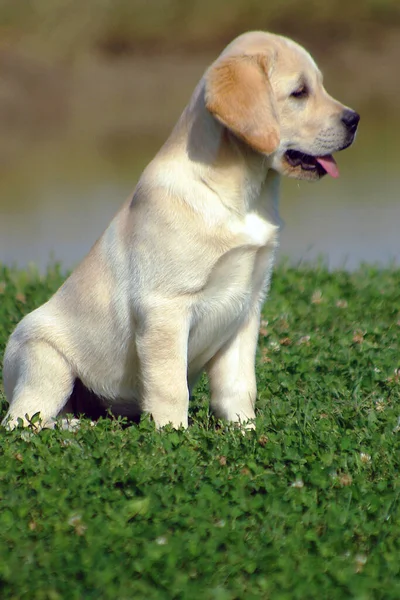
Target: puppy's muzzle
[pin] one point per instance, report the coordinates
(350, 120)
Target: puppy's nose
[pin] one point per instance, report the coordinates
(350, 118)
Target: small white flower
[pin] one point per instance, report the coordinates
(75, 520)
(220, 523)
(66, 443)
(299, 483)
(161, 540)
(360, 560)
(365, 458)
(341, 303)
(69, 424)
(316, 298)
(275, 346)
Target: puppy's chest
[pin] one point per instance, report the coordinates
(236, 283)
(255, 230)
(241, 271)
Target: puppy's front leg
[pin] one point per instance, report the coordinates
(231, 374)
(161, 344)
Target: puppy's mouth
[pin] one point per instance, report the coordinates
(321, 165)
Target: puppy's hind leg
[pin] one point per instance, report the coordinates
(37, 379)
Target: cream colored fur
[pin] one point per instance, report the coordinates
(176, 283)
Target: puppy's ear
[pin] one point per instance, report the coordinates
(239, 95)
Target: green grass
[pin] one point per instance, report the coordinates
(306, 506)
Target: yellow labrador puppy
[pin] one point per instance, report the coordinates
(176, 283)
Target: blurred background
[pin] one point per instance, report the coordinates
(90, 89)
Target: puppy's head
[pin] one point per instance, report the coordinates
(268, 91)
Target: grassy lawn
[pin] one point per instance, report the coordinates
(306, 506)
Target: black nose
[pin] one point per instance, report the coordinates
(350, 118)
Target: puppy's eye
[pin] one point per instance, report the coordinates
(301, 92)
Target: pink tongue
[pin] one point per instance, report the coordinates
(329, 164)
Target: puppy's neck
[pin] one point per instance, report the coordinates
(225, 164)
